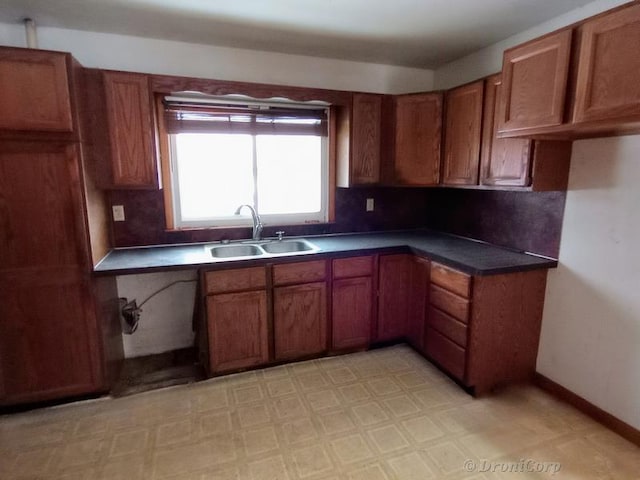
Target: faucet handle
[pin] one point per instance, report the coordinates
(280, 234)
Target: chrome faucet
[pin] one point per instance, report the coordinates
(257, 223)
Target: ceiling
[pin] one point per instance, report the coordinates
(414, 33)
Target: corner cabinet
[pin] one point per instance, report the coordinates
(34, 90)
(537, 165)
(418, 132)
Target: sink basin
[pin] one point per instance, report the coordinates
(288, 246)
(228, 251)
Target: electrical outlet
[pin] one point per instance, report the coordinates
(118, 213)
(370, 205)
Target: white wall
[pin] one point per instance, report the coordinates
(122, 52)
(489, 60)
(590, 339)
(165, 322)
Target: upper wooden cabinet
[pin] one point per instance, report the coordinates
(34, 90)
(365, 138)
(578, 82)
(418, 132)
(607, 85)
(362, 129)
(534, 77)
(463, 112)
(505, 161)
(131, 131)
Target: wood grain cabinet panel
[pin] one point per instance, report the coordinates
(34, 90)
(607, 84)
(448, 355)
(534, 78)
(352, 308)
(504, 161)
(299, 272)
(300, 320)
(418, 297)
(450, 279)
(418, 133)
(365, 138)
(133, 160)
(463, 111)
(238, 331)
(48, 335)
(394, 284)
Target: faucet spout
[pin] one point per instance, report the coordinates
(257, 223)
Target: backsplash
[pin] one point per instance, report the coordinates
(526, 221)
(530, 221)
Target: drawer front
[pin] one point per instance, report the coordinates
(450, 303)
(352, 267)
(452, 280)
(447, 354)
(302, 272)
(221, 281)
(448, 326)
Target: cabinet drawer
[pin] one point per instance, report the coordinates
(253, 278)
(352, 267)
(450, 303)
(452, 280)
(448, 326)
(447, 354)
(302, 272)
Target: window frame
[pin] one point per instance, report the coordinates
(164, 159)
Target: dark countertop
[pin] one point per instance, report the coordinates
(470, 256)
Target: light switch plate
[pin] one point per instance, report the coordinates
(370, 205)
(118, 213)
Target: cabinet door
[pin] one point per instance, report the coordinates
(505, 161)
(238, 334)
(417, 141)
(394, 283)
(48, 335)
(418, 302)
(607, 84)
(534, 77)
(300, 320)
(462, 134)
(351, 315)
(130, 130)
(365, 138)
(34, 91)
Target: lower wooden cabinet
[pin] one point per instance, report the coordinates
(484, 330)
(481, 330)
(352, 302)
(237, 318)
(394, 279)
(238, 330)
(300, 320)
(418, 297)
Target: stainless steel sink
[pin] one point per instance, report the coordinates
(288, 246)
(229, 251)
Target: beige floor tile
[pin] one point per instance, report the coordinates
(382, 414)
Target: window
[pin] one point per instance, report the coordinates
(271, 156)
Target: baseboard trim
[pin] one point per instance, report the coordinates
(612, 423)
